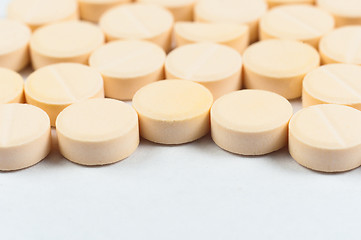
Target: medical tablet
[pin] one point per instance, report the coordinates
(345, 12)
(275, 3)
(11, 87)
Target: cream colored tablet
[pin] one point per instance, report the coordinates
(37, 13)
(25, 137)
(296, 22)
(233, 35)
(342, 45)
(173, 111)
(232, 11)
(326, 138)
(215, 66)
(97, 131)
(139, 21)
(279, 66)
(55, 87)
(275, 3)
(71, 41)
(251, 122)
(128, 65)
(11, 87)
(345, 12)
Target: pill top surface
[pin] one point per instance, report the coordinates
(11, 85)
(349, 8)
(169, 3)
(14, 35)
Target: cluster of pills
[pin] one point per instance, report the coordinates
(183, 64)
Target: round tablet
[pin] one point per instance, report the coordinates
(25, 136)
(342, 45)
(173, 111)
(251, 122)
(71, 41)
(215, 66)
(128, 65)
(139, 21)
(232, 35)
(36, 13)
(55, 87)
(326, 138)
(296, 22)
(97, 131)
(275, 3)
(11, 87)
(232, 11)
(279, 66)
(345, 12)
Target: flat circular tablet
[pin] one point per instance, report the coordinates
(251, 122)
(128, 65)
(345, 12)
(55, 87)
(215, 66)
(36, 13)
(296, 22)
(11, 87)
(139, 21)
(71, 41)
(232, 11)
(279, 66)
(173, 111)
(25, 136)
(97, 131)
(275, 3)
(326, 138)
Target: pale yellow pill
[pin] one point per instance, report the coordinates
(97, 131)
(139, 21)
(11, 87)
(71, 41)
(25, 137)
(173, 111)
(37, 13)
(128, 65)
(233, 35)
(232, 11)
(251, 122)
(215, 66)
(345, 12)
(326, 138)
(275, 3)
(279, 66)
(296, 22)
(55, 87)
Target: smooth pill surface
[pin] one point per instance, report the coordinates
(11, 87)
(326, 138)
(345, 12)
(251, 122)
(97, 131)
(25, 137)
(275, 3)
(173, 111)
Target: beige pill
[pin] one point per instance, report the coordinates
(173, 111)
(97, 131)
(11, 87)
(215, 66)
(276, 3)
(25, 137)
(326, 138)
(233, 35)
(139, 22)
(251, 122)
(345, 12)
(54, 87)
(37, 13)
(128, 65)
(71, 41)
(296, 22)
(279, 66)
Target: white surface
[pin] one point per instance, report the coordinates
(193, 191)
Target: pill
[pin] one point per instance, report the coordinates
(275, 3)
(54, 87)
(97, 131)
(232, 11)
(139, 21)
(326, 138)
(279, 66)
(345, 12)
(305, 23)
(25, 137)
(37, 13)
(251, 122)
(71, 41)
(342, 45)
(215, 66)
(11, 87)
(233, 35)
(173, 111)
(128, 65)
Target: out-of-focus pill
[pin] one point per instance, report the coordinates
(11, 87)
(345, 12)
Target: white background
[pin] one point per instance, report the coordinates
(193, 191)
